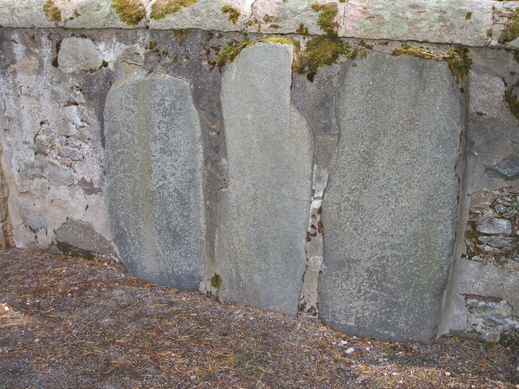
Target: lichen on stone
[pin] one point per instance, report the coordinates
(512, 101)
(511, 30)
(181, 35)
(161, 8)
(130, 12)
(234, 14)
(52, 12)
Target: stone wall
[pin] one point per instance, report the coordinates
(324, 158)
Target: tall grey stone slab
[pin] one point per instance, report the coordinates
(154, 177)
(261, 235)
(389, 213)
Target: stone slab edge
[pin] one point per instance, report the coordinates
(468, 22)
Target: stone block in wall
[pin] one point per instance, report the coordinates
(389, 212)
(78, 236)
(261, 236)
(154, 177)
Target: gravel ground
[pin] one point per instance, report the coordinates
(74, 323)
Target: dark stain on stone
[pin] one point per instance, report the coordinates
(507, 169)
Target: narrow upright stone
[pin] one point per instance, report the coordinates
(154, 177)
(263, 213)
(389, 213)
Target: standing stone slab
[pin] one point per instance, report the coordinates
(389, 213)
(154, 177)
(261, 237)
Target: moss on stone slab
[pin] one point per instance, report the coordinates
(417, 52)
(229, 53)
(459, 62)
(326, 17)
(234, 14)
(52, 12)
(511, 30)
(512, 101)
(130, 12)
(161, 8)
(320, 51)
(458, 59)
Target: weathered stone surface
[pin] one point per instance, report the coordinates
(82, 235)
(486, 94)
(389, 212)
(452, 21)
(154, 177)
(494, 226)
(481, 200)
(42, 167)
(78, 54)
(500, 242)
(261, 236)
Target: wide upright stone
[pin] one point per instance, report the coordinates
(154, 177)
(264, 211)
(389, 213)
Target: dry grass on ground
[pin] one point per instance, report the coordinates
(73, 323)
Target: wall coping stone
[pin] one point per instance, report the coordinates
(474, 23)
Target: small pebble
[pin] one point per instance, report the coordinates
(350, 350)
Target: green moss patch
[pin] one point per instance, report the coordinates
(52, 12)
(320, 51)
(234, 14)
(326, 17)
(130, 12)
(458, 59)
(512, 101)
(161, 8)
(73, 251)
(302, 29)
(511, 30)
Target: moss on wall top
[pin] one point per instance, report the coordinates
(52, 12)
(458, 59)
(161, 8)
(130, 12)
(511, 30)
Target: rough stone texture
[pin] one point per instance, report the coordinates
(44, 112)
(480, 279)
(389, 212)
(430, 21)
(78, 54)
(80, 234)
(314, 254)
(494, 226)
(154, 177)
(261, 237)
